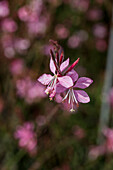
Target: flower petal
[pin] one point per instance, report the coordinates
(64, 65)
(66, 81)
(45, 79)
(60, 88)
(83, 82)
(73, 74)
(73, 65)
(52, 66)
(82, 96)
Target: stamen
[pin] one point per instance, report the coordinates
(72, 110)
(66, 95)
(72, 99)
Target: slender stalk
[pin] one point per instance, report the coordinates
(105, 106)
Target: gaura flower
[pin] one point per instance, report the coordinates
(57, 67)
(74, 96)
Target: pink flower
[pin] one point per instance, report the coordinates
(106, 147)
(64, 79)
(74, 96)
(74, 41)
(61, 31)
(81, 5)
(27, 137)
(94, 14)
(100, 31)
(109, 139)
(96, 151)
(37, 27)
(4, 9)
(29, 13)
(17, 66)
(51, 81)
(21, 44)
(8, 45)
(9, 25)
(29, 90)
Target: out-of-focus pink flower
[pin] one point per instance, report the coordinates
(22, 86)
(96, 151)
(100, 31)
(61, 31)
(17, 66)
(36, 91)
(31, 12)
(23, 13)
(27, 137)
(9, 52)
(110, 97)
(7, 40)
(37, 27)
(81, 5)
(105, 148)
(28, 90)
(37, 6)
(74, 41)
(101, 45)
(109, 139)
(95, 14)
(4, 9)
(27, 14)
(79, 132)
(9, 25)
(8, 46)
(21, 44)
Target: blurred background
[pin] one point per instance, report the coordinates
(34, 132)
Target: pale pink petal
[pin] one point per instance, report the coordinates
(45, 79)
(60, 88)
(64, 65)
(73, 74)
(83, 82)
(82, 96)
(52, 66)
(66, 81)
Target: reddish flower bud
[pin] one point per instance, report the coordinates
(61, 57)
(73, 65)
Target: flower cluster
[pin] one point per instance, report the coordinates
(65, 79)
(29, 90)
